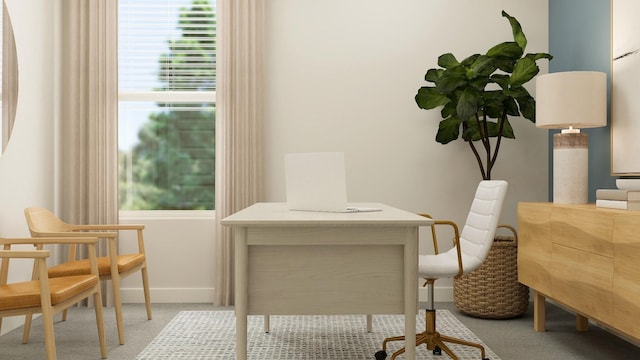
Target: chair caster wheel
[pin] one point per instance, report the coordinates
(381, 355)
(437, 351)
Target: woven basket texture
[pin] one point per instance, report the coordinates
(493, 291)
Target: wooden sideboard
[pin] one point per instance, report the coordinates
(585, 258)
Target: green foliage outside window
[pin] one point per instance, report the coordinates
(172, 165)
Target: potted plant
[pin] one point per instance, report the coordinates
(479, 93)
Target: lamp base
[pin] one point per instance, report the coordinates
(570, 168)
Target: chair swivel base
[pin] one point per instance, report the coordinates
(432, 339)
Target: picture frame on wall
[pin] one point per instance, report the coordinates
(625, 88)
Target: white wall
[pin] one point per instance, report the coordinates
(179, 248)
(26, 167)
(342, 75)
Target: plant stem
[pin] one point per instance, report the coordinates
(498, 141)
(475, 153)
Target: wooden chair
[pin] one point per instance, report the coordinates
(113, 267)
(49, 296)
(470, 249)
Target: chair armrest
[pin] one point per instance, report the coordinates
(91, 229)
(6, 255)
(456, 239)
(77, 234)
(49, 240)
(108, 227)
(33, 254)
(38, 242)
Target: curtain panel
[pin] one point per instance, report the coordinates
(239, 126)
(88, 152)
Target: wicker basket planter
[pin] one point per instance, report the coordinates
(493, 290)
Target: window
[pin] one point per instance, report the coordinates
(167, 83)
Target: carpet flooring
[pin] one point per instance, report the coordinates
(211, 335)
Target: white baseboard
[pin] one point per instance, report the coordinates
(169, 295)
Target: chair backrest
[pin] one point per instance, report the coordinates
(41, 220)
(479, 230)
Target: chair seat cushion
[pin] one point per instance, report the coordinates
(125, 262)
(27, 294)
(445, 264)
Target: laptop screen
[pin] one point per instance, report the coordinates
(316, 181)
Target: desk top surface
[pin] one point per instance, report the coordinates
(277, 214)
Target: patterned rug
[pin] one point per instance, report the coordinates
(211, 335)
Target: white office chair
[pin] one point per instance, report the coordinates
(470, 250)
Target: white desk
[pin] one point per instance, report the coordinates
(313, 263)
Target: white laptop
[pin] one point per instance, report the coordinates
(317, 182)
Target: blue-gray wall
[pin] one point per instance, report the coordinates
(580, 39)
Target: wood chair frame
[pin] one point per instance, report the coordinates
(50, 225)
(55, 294)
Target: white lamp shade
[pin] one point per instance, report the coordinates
(575, 99)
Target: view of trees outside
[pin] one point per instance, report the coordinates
(170, 166)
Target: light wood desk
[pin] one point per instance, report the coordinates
(317, 263)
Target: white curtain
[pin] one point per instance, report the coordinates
(239, 126)
(88, 162)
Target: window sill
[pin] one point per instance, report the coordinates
(166, 214)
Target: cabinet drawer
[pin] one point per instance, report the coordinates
(583, 229)
(583, 281)
(626, 287)
(534, 246)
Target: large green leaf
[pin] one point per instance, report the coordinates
(501, 79)
(479, 83)
(448, 130)
(524, 70)
(451, 80)
(468, 103)
(472, 130)
(507, 49)
(429, 98)
(511, 107)
(516, 29)
(494, 106)
(433, 75)
(527, 107)
(505, 64)
(517, 91)
(507, 130)
(449, 109)
(481, 64)
(538, 56)
(447, 61)
(469, 60)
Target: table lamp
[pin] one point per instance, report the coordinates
(570, 101)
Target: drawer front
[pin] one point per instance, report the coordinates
(534, 246)
(583, 229)
(626, 283)
(583, 281)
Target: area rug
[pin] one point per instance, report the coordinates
(211, 335)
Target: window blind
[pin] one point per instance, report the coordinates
(166, 46)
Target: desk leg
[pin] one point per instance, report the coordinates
(241, 291)
(539, 311)
(267, 327)
(410, 292)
